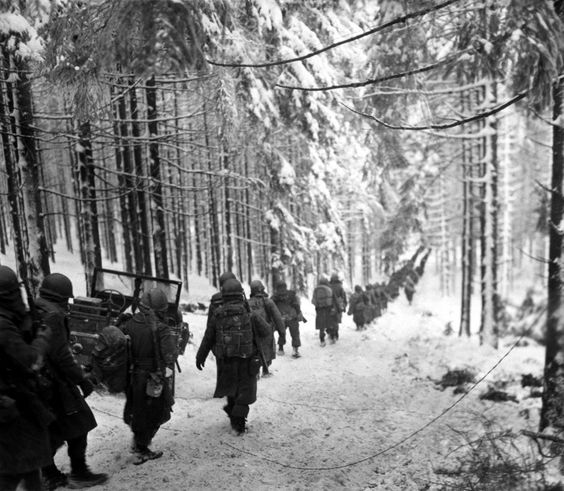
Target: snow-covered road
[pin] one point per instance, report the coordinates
(322, 421)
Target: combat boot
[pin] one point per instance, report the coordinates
(238, 423)
(85, 478)
(53, 478)
(142, 455)
(296, 353)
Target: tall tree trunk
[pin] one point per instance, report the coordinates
(14, 198)
(466, 254)
(36, 264)
(488, 325)
(88, 206)
(125, 226)
(228, 218)
(159, 227)
(130, 185)
(215, 252)
(75, 180)
(183, 233)
(249, 230)
(198, 233)
(109, 229)
(140, 196)
(552, 412)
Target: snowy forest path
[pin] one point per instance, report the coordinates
(318, 419)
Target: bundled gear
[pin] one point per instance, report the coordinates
(234, 335)
(111, 359)
(323, 296)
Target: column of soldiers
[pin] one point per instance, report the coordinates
(43, 389)
(369, 304)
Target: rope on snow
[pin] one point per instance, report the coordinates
(393, 445)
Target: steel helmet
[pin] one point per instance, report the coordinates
(228, 275)
(155, 299)
(232, 288)
(8, 280)
(57, 285)
(257, 287)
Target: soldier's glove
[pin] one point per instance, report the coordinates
(86, 386)
(304, 320)
(168, 372)
(200, 364)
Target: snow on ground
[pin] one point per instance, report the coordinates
(323, 421)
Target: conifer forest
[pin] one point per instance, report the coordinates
(285, 139)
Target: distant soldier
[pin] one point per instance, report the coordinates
(370, 312)
(149, 398)
(288, 304)
(325, 308)
(409, 288)
(421, 268)
(24, 419)
(267, 309)
(233, 333)
(74, 418)
(375, 302)
(383, 297)
(340, 304)
(358, 307)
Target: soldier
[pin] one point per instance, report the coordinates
(153, 352)
(267, 309)
(74, 418)
(232, 332)
(24, 419)
(325, 308)
(409, 288)
(340, 305)
(215, 301)
(358, 307)
(382, 296)
(288, 304)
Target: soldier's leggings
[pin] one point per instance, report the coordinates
(294, 328)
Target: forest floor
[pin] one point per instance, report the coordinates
(364, 413)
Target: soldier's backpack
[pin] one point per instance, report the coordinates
(110, 359)
(323, 296)
(234, 332)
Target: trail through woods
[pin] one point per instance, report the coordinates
(320, 418)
